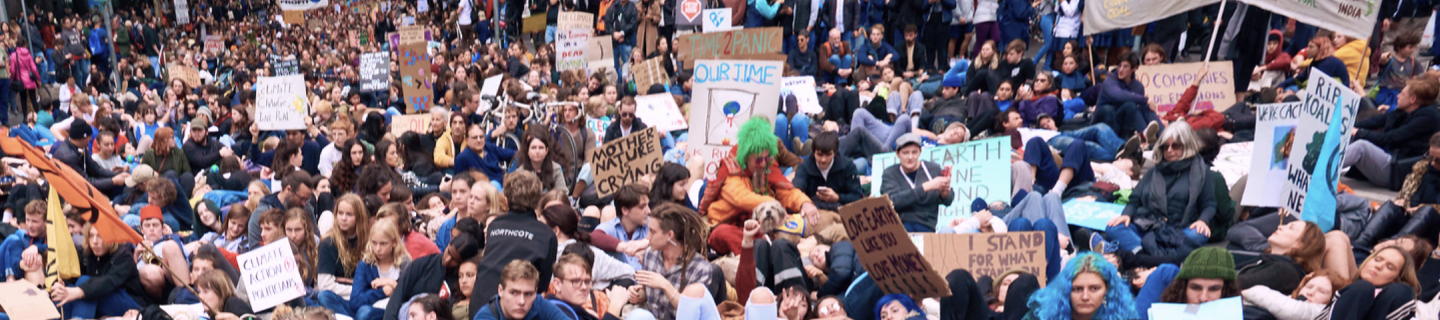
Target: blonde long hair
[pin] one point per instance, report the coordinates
(387, 229)
(350, 257)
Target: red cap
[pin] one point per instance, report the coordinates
(151, 212)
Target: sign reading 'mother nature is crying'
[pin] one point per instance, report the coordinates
(979, 169)
(625, 160)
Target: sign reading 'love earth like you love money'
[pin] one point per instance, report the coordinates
(892, 260)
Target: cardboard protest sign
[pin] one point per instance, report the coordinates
(271, 275)
(727, 93)
(534, 23)
(896, 265)
(712, 155)
(1166, 83)
(625, 160)
(280, 103)
(728, 44)
(1274, 134)
(375, 72)
(417, 87)
(803, 88)
(293, 17)
(214, 44)
(298, 5)
(716, 20)
(24, 301)
(1091, 214)
(979, 169)
(984, 254)
(1228, 308)
(182, 11)
(1321, 135)
(600, 53)
(572, 37)
(418, 123)
(412, 34)
(1349, 17)
(1102, 16)
(659, 111)
(688, 12)
(649, 73)
(189, 75)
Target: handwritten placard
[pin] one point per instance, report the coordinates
(293, 17)
(189, 75)
(600, 54)
(25, 301)
(979, 169)
(896, 264)
(803, 88)
(419, 89)
(284, 66)
(572, 37)
(375, 72)
(1274, 133)
(214, 44)
(533, 23)
(1091, 214)
(1321, 136)
(659, 110)
(271, 275)
(625, 160)
(728, 44)
(280, 103)
(984, 254)
(412, 34)
(417, 123)
(1166, 83)
(729, 92)
(649, 73)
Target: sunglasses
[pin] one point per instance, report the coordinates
(627, 114)
(1172, 146)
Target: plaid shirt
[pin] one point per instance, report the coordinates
(656, 301)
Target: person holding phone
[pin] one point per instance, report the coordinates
(830, 180)
(917, 187)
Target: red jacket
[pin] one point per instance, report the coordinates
(1203, 119)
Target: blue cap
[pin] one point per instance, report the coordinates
(977, 205)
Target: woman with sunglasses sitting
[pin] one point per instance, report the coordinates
(1175, 198)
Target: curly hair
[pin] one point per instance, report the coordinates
(346, 172)
(1118, 302)
(754, 137)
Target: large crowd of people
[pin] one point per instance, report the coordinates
(490, 208)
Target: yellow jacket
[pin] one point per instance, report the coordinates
(1353, 54)
(444, 151)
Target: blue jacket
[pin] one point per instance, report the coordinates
(947, 9)
(10, 251)
(97, 41)
(872, 13)
(1015, 14)
(868, 53)
(1075, 81)
(362, 294)
(488, 164)
(844, 268)
(541, 309)
(1116, 92)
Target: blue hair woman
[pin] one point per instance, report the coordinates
(1088, 288)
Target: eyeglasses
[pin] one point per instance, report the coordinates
(577, 282)
(1172, 146)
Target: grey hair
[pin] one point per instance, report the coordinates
(1180, 132)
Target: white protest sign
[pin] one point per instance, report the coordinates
(659, 110)
(1321, 135)
(271, 275)
(979, 169)
(280, 103)
(182, 11)
(1274, 132)
(572, 37)
(729, 92)
(803, 88)
(715, 20)
(296, 5)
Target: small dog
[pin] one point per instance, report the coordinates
(779, 224)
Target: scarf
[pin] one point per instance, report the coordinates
(1156, 191)
(758, 182)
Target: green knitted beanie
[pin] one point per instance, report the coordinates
(1208, 263)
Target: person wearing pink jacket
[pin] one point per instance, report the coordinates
(22, 69)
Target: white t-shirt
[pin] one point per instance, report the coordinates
(465, 7)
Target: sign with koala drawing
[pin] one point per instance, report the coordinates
(880, 239)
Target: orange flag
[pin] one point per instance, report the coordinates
(74, 189)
